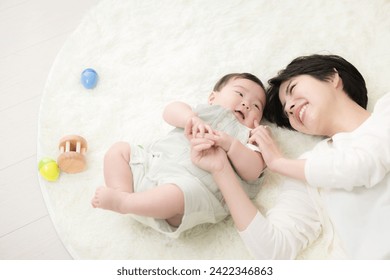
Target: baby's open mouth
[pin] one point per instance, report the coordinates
(240, 113)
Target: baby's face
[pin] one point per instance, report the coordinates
(244, 98)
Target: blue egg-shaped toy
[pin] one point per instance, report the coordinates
(89, 78)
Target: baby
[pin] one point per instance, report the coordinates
(159, 184)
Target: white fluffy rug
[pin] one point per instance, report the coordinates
(148, 53)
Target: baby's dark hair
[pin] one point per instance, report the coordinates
(225, 79)
(321, 67)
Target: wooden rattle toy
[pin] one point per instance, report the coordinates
(72, 157)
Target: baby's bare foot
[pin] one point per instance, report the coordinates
(107, 198)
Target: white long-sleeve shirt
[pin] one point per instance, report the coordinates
(287, 228)
(353, 172)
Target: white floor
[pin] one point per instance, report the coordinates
(31, 34)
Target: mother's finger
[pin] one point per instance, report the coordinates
(200, 141)
(260, 130)
(202, 147)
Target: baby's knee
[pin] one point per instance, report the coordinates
(119, 149)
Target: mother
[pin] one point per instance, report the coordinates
(344, 180)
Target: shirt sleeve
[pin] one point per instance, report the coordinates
(360, 158)
(288, 228)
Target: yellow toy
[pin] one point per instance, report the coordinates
(72, 157)
(48, 169)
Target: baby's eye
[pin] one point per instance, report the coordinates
(240, 94)
(257, 107)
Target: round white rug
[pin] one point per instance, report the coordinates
(148, 53)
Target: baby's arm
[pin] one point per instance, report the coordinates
(178, 113)
(247, 163)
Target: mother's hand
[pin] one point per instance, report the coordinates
(262, 137)
(207, 156)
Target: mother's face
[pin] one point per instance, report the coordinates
(307, 103)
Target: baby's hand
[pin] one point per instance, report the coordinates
(221, 139)
(196, 127)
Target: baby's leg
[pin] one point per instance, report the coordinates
(117, 171)
(163, 202)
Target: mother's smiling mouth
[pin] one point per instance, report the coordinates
(300, 112)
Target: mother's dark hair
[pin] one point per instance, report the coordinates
(321, 67)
